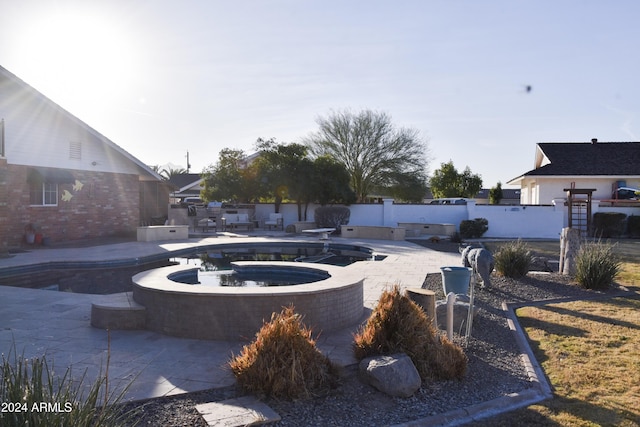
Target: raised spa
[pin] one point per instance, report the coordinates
(248, 277)
(333, 302)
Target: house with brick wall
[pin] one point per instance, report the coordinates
(62, 179)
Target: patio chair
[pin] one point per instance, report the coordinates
(275, 220)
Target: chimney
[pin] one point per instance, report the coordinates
(594, 140)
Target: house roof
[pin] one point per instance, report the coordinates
(507, 193)
(184, 181)
(585, 159)
(144, 171)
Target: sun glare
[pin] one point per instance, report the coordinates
(80, 57)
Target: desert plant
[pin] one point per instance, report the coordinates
(283, 361)
(608, 224)
(473, 229)
(513, 259)
(398, 325)
(332, 216)
(455, 237)
(40, 398)
(596, 265)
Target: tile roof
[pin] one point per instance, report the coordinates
(600, 158)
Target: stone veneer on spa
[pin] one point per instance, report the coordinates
(231, 313)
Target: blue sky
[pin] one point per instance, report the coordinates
(162, 77)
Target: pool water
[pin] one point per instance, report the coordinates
(235, 279)
(221, 259)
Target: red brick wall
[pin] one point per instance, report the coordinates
(107, 204)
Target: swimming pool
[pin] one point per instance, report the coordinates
(114, 275)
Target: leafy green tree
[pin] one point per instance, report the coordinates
(448, 182)
(407, 187)
(444, 182)
(285, 170)
(470, 183)
(371, 148)
(330, 183)
(495, 194)
(229, 179)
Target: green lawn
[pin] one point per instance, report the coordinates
(589, 350)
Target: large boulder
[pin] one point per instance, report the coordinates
(395, 375)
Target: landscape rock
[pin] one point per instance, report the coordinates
(395, 375)
(541, 263)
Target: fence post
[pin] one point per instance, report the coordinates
(569, 247)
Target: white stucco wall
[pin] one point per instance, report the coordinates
(543, 190)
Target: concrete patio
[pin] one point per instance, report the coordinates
(57, 324)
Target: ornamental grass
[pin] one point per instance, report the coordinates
(597, 265)
(283, 361)
(513, 259)
(32, 394)
(398, 325)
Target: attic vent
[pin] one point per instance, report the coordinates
(75, 150)
(594, 140)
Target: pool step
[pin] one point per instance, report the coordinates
(118, 311)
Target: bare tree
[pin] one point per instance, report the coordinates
(372, 149)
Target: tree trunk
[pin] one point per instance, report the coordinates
(426, 299)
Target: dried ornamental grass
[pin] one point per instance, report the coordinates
(398, 325)
(283, 361)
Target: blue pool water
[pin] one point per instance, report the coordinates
(235, 279)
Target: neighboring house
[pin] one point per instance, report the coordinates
(185, 185)
(63, 178)
(601, 166)
(510, 196)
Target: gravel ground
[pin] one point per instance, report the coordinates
(495, 369)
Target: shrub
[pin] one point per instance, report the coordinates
(31, 383)
(332, 216)
(283, 361)
(455, 237)
(608, 224)
(398, 325)
(513, 259)
(473, 229)
(596, 265)
(633, 226)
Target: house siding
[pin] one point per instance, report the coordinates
(543, 190)
(117, 192)
(104, 206)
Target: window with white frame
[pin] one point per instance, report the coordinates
(43, 193)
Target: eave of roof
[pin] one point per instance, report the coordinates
(143, 168)
(615, 159)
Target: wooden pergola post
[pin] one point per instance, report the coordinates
(572, 199)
